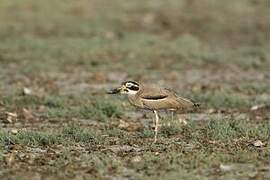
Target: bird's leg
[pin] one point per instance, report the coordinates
(156, 125)
(172, 115)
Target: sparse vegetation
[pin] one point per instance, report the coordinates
(68, 53)
(71, 133)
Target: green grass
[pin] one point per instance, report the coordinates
(101, 109)
(230, 130)
(71, 133)
(219, 141)
(254, 88)
(223, 130)
(86, 107)
(232, 98)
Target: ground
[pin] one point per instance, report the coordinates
(58, 59)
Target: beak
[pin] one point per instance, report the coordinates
(115, 91)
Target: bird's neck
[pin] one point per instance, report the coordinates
(135, 100)
(132, 98)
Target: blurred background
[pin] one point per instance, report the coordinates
(57, 59)
(88, 44)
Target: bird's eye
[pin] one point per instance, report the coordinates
(128, 85)
(133, 88)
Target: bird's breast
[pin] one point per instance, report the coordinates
(135, 100)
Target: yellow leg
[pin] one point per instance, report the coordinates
(156, 125)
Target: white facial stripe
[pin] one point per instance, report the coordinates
(131, 84)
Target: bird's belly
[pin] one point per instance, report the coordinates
(160, 104)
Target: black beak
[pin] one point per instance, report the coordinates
(114, 91)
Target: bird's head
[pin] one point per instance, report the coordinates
(127, 87)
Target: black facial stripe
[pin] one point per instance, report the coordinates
(134, 88)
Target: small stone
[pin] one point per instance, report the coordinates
(14, 131)
(257, 143)
(257, 107)
(226, 167)
(26, 91)
(211, 110)
(10, 117)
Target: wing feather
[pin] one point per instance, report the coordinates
(166, 98)
(153, 94)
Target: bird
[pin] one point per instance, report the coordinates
(153, 98)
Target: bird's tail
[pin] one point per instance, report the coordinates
(186, 103)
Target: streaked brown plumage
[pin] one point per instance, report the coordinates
(156, 98)
(153, 98)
